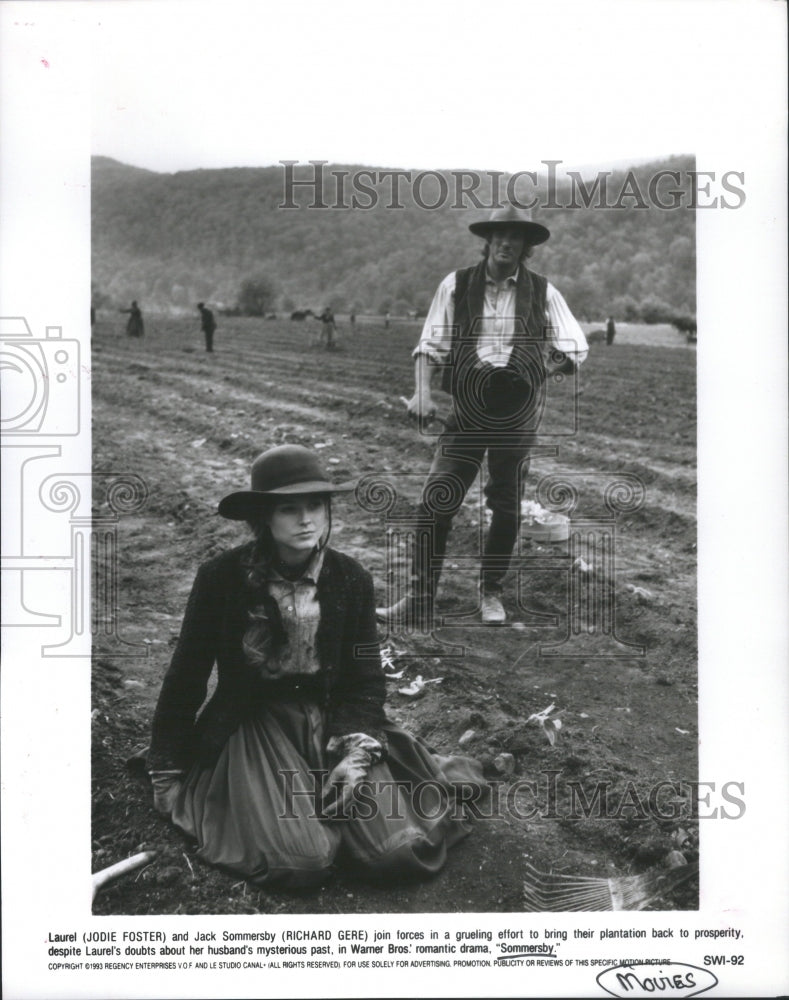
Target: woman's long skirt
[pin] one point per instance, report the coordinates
(257, 810)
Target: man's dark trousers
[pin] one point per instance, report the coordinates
(502, 427)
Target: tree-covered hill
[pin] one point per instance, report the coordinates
(169, 240)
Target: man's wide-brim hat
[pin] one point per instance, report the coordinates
(288, 470)
(509, 217)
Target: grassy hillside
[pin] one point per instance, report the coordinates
(168, 240)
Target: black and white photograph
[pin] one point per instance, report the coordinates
(548, 643)
(394, 481)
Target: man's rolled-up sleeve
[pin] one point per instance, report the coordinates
(436, 338)
(564, 332)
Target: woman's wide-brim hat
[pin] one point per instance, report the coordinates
(289, 470)
(509, 217)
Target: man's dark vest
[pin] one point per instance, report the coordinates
(526, 360)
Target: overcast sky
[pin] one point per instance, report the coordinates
(179, 85)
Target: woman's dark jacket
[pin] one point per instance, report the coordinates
(350, 683)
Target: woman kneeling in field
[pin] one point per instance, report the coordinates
(293, 758)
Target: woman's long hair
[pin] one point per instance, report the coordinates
(265, 636)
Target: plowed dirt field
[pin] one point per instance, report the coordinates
(623, 681)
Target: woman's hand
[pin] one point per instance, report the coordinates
(166, 786)
(343, 780)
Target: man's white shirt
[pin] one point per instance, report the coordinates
(497, 333)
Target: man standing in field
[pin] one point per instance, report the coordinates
(490, 327)
(329, 327)
(208, 325)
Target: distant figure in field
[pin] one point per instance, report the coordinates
(352, 320)
(386, 320)
(208, 325)
(329, 327)
(610, 331)
(135, 326)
